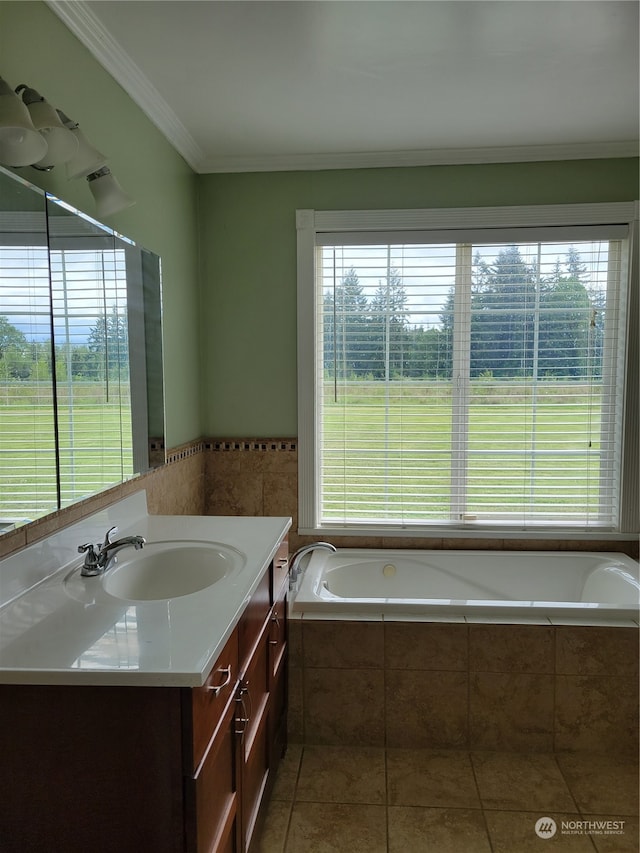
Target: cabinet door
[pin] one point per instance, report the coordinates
(212, 794)
(253, 703)
(278, 680)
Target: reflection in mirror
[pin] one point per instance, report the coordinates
(28, 481)
(80, 354)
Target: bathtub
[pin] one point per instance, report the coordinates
(503, 585)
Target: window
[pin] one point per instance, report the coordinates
(468, 372)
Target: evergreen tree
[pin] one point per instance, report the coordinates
(502, 317)
(389, 327)
(345, 328)
(15, 360)
(109, 342)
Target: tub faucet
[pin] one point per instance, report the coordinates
(294, 564)
(99, 558)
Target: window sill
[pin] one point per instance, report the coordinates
(548, 534)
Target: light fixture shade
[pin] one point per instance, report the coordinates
(86, 160)
(20, 142)
(109, 196)
(61, 143)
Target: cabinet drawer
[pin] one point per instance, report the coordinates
(209, 701)
(253, 619)
(279, 570)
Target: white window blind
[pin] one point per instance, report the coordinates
(65, 403)
(28, 485)
(89, 290)
(468, 382)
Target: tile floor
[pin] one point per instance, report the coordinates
(369, 800)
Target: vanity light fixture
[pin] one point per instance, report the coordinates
(109, 196)
(62, 145)
(87, 159)
(20, 142)
(33, 133)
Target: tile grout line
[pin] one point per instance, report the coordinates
(293, 801)
(480, 800)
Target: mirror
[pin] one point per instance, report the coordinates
(81, 388)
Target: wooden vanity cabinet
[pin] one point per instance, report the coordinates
(226, 791)
(171, 769)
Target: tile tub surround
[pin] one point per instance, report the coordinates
(437, 685)
(364, 799)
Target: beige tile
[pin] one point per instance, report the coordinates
(418, 544)
(625, 839)
(272, 833)
(602, 784)
(413, 830)
(337, 828)
(426, 709)
(14, 541)
(514, 832)
(596, 713)
(510, 711)
(511, 648)
(429, 645)
(343, 644)
(294, 641)
(425, 777)
(287, 775)
(596, 651)
(295, 708)
(521, 781)
(234, 496)
(280, 494)
(342, 774)
(343, 706)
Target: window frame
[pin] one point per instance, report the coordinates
(313, 228)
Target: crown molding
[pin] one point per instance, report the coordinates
(78, 17)
(427, 157)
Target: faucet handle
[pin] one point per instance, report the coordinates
(108, 536)
(91, 556)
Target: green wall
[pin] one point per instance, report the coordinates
(248, 238)
(36, 48)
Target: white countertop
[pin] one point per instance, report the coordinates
(51, 635)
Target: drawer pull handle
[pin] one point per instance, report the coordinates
(275, 621)
(217, 689)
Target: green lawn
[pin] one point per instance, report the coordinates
(27, 448)
(390, 450)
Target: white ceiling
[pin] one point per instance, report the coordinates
(264, 85)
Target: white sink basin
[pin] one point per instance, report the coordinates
(163, 570)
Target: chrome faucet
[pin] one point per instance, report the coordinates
(99, 558)
(294, 565)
